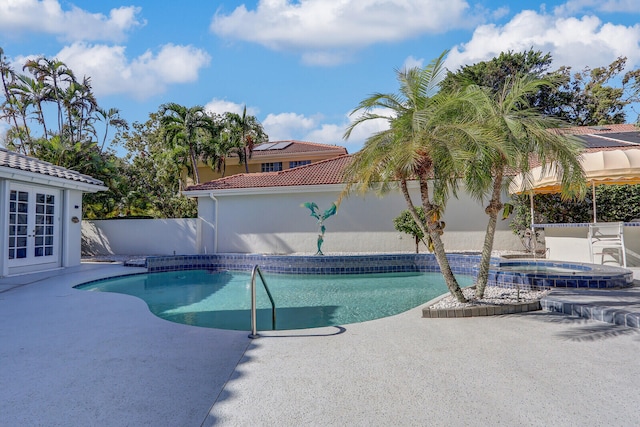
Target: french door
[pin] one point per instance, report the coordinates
(34, 225)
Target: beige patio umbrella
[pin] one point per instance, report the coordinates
(609, 166)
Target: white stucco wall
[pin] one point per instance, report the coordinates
(139, 237)
(277, 224)
(71, 230)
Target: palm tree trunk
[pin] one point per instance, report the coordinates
(8, 97)
(492, 210)
(41, 115)
(432, 231)
(246, 159)
(194, 164)
(29, 142)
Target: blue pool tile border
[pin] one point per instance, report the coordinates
(581, 275)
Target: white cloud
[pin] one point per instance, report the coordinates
(327, 134)
(571, 41)
(327, 32)
(286, 126)
(367, 128)
(221, 106)
(412, 62)
(147, 75)
(74, 24)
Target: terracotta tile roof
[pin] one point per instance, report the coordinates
(299, 147)
(330, 171)
(596, 130)
(13, 160)
(320, 173)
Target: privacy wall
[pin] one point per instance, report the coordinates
(276, 223)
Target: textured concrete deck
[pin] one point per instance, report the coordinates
(77, 358)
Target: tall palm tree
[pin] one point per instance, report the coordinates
(80, 104)
(110, 117)
(248, 132)
(182, 127)
(36, 92)
(8, 77)
(20, 106)
(513, 134)
(422, 143)
(54, 73)
(218, 150)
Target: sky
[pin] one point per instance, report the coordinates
(300, 67)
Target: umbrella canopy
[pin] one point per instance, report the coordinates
(600, 167)
(612, 167)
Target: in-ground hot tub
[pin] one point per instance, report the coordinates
(536, 274)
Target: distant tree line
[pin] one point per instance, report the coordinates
(54, 116)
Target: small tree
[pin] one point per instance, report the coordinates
(404, 223)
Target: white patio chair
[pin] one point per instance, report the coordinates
(607, 235)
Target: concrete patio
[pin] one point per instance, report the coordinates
(78, 358)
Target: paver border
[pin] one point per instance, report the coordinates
(480, 310)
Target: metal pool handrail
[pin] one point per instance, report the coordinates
(254, 317)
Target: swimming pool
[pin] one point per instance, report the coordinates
(222, 299)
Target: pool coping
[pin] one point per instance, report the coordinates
(584, 275)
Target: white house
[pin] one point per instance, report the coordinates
(262, 213)
(40, 213)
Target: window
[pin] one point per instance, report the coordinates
(272, 167)
(297, 163)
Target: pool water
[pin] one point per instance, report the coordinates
(222, 299)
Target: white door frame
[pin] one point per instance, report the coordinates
(34, 226)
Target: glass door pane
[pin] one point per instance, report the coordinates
(45, 223)
(18, 224)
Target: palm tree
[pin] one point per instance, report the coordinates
(513, 134)
(182, 127)
(423, 142)
(110, 117)
(80, 104)
(20, 107)
(218, 152)
(36, 92)
(248, 131)
(8, 77)
(53, 73)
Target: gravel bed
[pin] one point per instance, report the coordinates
(493, 295)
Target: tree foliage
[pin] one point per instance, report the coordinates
(405, 223)
(592, 96)
(153, 176)
(613, 203)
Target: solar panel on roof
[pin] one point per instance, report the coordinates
(280, 145)
(617, 139)
(262, 147)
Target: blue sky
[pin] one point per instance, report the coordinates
(299, 66)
